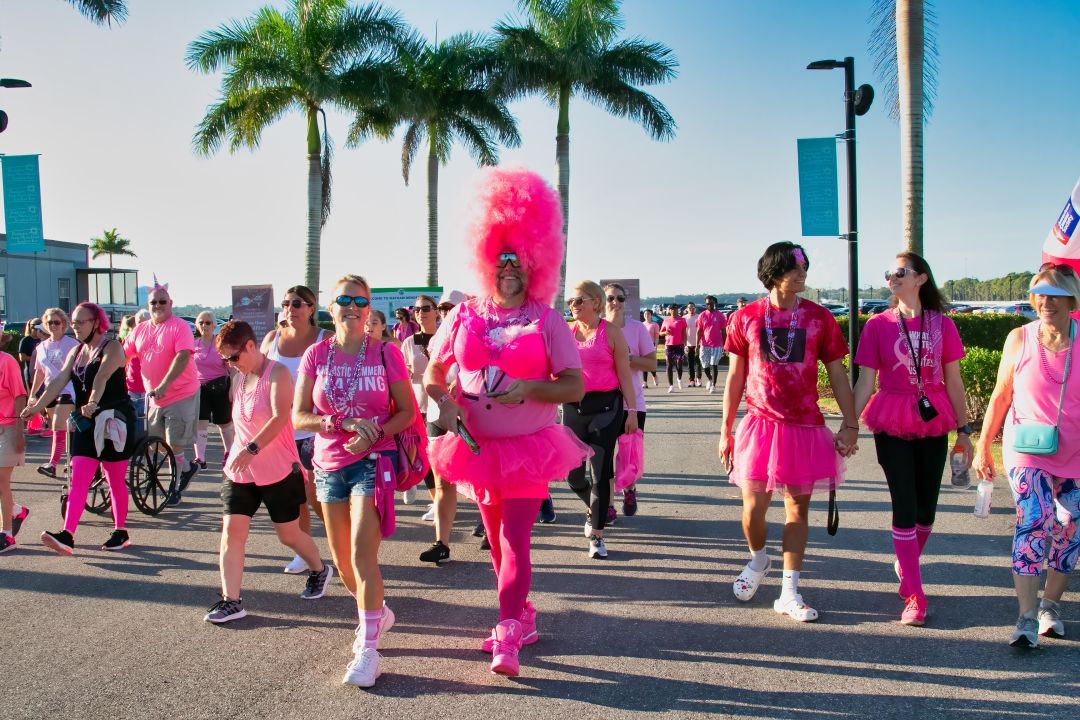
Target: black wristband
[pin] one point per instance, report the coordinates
(965, 429)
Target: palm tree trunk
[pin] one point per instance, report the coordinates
(432, 211)
(111, 301)
(314, 234)
(909, 65)
(562, 168)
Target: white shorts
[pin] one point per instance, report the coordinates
(711, 355)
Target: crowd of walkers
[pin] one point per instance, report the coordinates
(494, 397)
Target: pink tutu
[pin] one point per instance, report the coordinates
(510, 467)
(772, 455)
(895, 413)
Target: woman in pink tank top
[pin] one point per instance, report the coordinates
(598, 419)
(263, 468)
(1037, 383)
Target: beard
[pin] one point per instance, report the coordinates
(510, 286)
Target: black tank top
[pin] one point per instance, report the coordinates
(82, 379)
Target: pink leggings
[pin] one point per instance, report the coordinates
(509, 530)
(82, 474)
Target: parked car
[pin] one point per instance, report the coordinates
(1018, 308)
(958, 308)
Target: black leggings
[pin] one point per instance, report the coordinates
(600, 432)
(913, 469)
(676, 358)
(645, 376)
(693, 364)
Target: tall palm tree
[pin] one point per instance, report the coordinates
(110, 243)
(317, 53)
(569, 47)
(445, 95)
(102, 12)
(904, 43)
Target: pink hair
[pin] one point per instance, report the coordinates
(100, 317)
(520, 213)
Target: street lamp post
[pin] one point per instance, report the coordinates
(856, 102)
(10, 83)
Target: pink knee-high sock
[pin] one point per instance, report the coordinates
(515, 574)
(116, 474)
(906, 545)
(82, 474)
(369, 621)
(922, 532)
(492, 515)
(59, 445)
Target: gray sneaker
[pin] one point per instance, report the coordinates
(1026, 634)
(597, 549)
(317, 582)
(1050, 624)
(225, 610)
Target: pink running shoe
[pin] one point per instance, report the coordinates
(914, 611)
(529, 635)
(504, 652)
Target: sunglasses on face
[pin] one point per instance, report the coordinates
(206, 322)
(616, 298)
(899, 273)
(508, 257)
(359, 300)
(56, 322)
(575, 301)
(159, 302)
(423, 308)
(1063, 269)
(295, 303)
(232, 358)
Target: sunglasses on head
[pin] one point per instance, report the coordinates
(423, 308)
(295, 303)
(232, 358)
(1063, 269)
(159, 302)
(359, 300)
(508, 257)
(899, 273)
(616, 298)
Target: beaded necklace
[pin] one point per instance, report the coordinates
(254, 398)
(790, 332)
(338, 402)
(79, 371)
(1044, 362)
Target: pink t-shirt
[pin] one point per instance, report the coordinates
(882, 347)
(654, 331)
(50, 356)
(156, 346)
(493, 347)
(675, 329)
(783, 386)
(641, 345)
(11, 387)
(208, 363)
(371, 399)
(710, 326)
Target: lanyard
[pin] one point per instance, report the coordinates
(916, 354)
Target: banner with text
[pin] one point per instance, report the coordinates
(819, 197)
(390, 299)
(254, 304)
(22, 203)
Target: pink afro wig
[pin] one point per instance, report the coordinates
(521, 213)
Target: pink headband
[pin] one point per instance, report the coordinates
(799, 257)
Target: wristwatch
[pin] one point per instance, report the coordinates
(966, 429)
(252, 448)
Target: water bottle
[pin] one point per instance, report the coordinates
(983, 499)
(961, 476)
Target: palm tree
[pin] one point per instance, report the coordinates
(110, 243)
(102, 12)
(904, 42)
(445, 96)
(317, 53)
(570, 47)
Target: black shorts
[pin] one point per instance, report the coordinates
(214, 403)
(282, 499)
(64, 399)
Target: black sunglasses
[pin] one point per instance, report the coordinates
(295, 303)
(159, 302)
(899, 273)
(232, 358)
(206, 322)
(1063, 269)
(423, 308)
(359, 300)
(616, 298)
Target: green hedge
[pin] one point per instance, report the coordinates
(984, 331)
(979, 371)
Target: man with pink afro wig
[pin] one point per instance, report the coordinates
(516, 361)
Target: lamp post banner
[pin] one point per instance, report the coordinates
(1062, 245)
(819, 196)
(22, 204)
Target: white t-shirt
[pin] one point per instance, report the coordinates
(691, 329)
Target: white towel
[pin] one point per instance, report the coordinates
(109, 425)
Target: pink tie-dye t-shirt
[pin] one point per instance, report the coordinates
(784, 388)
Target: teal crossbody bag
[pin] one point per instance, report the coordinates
(1038, 438)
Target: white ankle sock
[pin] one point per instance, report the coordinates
(791, 583)
(16, 508)
(759, 560)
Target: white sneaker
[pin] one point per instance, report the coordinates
(363, 670)
(712, 389)
(1050, 624)
(429, 516)
(409, 496)
(644, 384)
(597, 549)
(680, 383)
(297, 566)
(385, 624)
(671, 389)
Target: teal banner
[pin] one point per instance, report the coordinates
(22, 203)
(819, 199)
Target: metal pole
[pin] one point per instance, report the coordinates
(853, 221)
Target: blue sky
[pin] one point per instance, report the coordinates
(112, 112)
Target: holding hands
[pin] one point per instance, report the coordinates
(847, 441)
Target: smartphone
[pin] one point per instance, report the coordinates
(466, 436)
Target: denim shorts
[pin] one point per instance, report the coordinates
(357, 479)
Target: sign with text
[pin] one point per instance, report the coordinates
(390, 299)
(254, 304)
(819, 200)
(632, 307)
(22, 203)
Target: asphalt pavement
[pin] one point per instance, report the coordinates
(653, 631)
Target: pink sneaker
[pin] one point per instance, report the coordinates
(504, 652)
(914, 611)
(529, 635)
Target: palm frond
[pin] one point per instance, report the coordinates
(413, 138)
(327, 176)
(241, 119)
(640, 62)
(882, 47)
(477, 141)
(624, 100)
(102, 12)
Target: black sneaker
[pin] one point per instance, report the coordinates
(174, 498)
(479, 530)
(17, 520)
(7, 543)
(185, 477)
(47, 470)
(225, 610)
(59, 542)
(547, 511)
(437, 553)
(117, 541)
(484, 544)
(317, 582)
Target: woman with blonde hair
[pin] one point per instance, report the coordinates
(49, 358)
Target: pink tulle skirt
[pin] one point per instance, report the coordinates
(798, 459)
(515, 467)
(896, 413)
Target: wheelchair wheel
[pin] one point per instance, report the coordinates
(152, 474)
(98, 500)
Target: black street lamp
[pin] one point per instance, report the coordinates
(10, 83)
(856, 102)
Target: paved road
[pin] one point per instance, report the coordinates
(653, 631)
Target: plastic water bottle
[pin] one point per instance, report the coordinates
(961, 476)
(984, 498)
